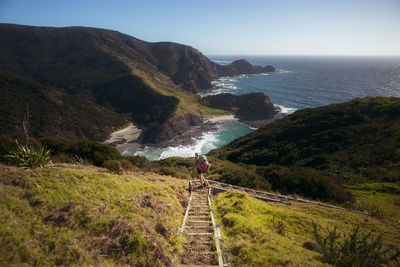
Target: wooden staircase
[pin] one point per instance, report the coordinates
(202, 237)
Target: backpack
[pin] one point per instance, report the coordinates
(203, 159)
(203, 164)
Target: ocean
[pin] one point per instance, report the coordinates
(300, 82)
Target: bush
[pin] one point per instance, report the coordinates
(140, 162)
(237, 174)
(355, 250)
(306, 182)
(90, 151)
(63, 158)
(27, 155)
(114, 166)
(8, 143)
(167, 171)
(118, 166)
(127, 165)
(175, 166)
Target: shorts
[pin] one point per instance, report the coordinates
(199, 171)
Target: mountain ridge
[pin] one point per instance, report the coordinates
(84, 61)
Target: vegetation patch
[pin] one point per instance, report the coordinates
(52, 112)
(356, 249)
(83, 215)
(257, 233)
(314, 152)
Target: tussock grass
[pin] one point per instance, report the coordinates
(83, 215)
(257, 233)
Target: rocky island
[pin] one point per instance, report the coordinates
(253, 109)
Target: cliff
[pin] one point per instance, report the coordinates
(152, 84)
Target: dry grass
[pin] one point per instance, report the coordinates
(82, 215)
(271, 234)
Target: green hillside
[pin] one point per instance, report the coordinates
(345, 143)
(52, 112)
(257, 233)
(74, 215)
(154, 85)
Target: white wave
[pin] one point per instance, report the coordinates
(283, 71)
(218, 91)
(286, 110)
(223, 62)
(202, 145)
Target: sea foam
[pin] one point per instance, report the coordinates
(203, 144)
(286, 110)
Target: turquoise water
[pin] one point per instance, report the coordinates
(227, 132)
(300, 82)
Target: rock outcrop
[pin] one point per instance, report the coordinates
(243, 67)
(248, 107)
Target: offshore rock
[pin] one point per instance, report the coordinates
(248, 107)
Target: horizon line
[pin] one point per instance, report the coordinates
(303, 55)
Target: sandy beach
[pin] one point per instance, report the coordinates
(124, 138)
(127, 138)
(220, 118)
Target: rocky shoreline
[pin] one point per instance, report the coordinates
(125, 138)
(129, 138)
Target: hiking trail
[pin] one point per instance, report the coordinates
(202, 246)
(202, 236)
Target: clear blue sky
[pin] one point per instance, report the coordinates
(245, 27)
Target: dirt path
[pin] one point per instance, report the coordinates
(199, 249)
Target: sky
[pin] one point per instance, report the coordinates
(231, 27)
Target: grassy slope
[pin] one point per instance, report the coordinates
(349, 141)
(52, 112)
(256, 233)
(326, 147)
(86, 216)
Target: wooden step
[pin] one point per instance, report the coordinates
(200, 234)
(199, 258)
(203, 214)
(195, 265)
(202, 228)
(199, 221)
(199, 217)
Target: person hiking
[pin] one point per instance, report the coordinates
(201, 164)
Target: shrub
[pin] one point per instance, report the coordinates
(79, 160)
(91, 151)
(355, 250)
(140, 162)
(365, 206)
(113, 165)
(173, 172)
(63, 158)
(127, 165)
(27, 155)
(304, 181)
